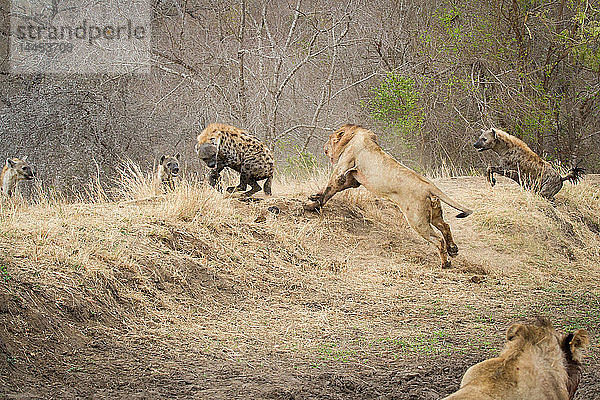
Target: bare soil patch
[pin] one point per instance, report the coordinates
(192, 295)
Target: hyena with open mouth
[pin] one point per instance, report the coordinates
(168, 170)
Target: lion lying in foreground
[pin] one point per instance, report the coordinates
(537, 363)
(359, 160)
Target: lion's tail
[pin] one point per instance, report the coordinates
(574, 175)
(443, 197)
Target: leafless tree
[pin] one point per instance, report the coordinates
(291, 71)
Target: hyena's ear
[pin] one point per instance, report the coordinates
(24, 158)
(177, 156)
(162, 159)
(10, 163)
(495, 133)
(514, 331)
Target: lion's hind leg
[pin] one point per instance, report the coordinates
(420, 221)
(437, 220)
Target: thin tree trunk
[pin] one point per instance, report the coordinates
(240, 56)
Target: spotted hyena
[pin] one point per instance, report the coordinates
(14, 170)
(519, 163)
(221, 146)
(168, 170)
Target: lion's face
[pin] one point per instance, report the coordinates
(331, 147)
(328, 148)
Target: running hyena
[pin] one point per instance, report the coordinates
(519, 163)
(221, 146)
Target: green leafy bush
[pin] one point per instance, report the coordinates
(395, 102)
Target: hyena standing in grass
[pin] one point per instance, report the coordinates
(14, 170)
(221, 146)
(168, 170)
(519, 163)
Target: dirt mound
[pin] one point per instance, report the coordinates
(193, 295)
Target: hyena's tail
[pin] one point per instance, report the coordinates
(574, 175)
(443, 197)
(267, 185)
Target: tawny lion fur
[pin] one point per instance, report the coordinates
(359, 160)
(537, 363)
(521, 164)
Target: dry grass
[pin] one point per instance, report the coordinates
(352, 285)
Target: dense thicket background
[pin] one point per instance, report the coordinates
(426, 75)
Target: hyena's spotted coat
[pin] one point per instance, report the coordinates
(521, 164)
(221, 146)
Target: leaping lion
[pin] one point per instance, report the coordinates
(359, 160)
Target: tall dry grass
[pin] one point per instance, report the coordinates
(168, 262)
